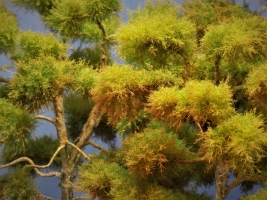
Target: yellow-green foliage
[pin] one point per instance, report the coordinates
(18, 184)
(15, 127)
(240, 140)
(106, 180)
(39, 80)
(241, 41)
(41, 6)
(121, 91)
(75, 18)
(206, 12)
(8, 30)
(156, 35)
(153, 151)
(201, 100)
(30, 45)
(260, 195)
(85, 79)
(256, 84)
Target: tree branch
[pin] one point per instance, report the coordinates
(97, 146)
(4, 80)
(26, 159)
(79, 150)
(45, 118)
(51, 160)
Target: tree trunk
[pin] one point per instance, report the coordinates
(66, 169)
(221, 178)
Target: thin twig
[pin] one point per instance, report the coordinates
(96, 146)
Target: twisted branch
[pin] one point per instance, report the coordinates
(37, 167)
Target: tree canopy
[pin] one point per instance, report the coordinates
(188, 98)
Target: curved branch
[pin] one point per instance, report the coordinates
(79, 150)
(51, 160)
(45, 118)
(26, 159)
(96, 146)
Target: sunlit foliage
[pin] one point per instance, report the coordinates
(80, 19)
(153, 151)
(38, 81)
(240, 140)
(200, 101)
(156, 35)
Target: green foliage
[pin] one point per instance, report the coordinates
(18, 184)
(3, 90)
(76, 110)
(121, 91)
(106, 180)
(206, 12)
(260, 195)
(8, 31)
(31, 45)
(154, 151)
(40, 150)
(16, 126)
(80, 19)
(156, 35)
(200, 100)
(40, 80)
(256, 87)
(85, 80)
(126, 127)
(41, 6)
(240, 140)
(243, 40)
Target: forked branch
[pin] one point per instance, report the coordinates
(79, 150)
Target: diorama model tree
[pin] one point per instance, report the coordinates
(189, 100)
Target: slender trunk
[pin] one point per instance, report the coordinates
(66, 169)
(187, 70)
(221, 178)
(103, 45)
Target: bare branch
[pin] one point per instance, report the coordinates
(96, 146)
(45, 118)
(51, 160)
(26, 159)
(79, 150)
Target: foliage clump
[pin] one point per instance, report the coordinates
(121, 91)
(153, 151)
(198, 100)
(18, 184)
(146, 41)
(240, 140)
(16, 126)
(38, 81)
(8, 31)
